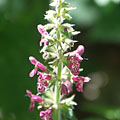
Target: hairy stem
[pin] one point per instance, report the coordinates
(57, 91)
(59, 72)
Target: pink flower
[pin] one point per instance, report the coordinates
(68, 84)
(79, 52)
(42, 30)
(33, 99)
(80, 80)
(74, 65)
(37, 65)
(43, 33)
(42, 83)
(66, 88)
(43, 40)
(44, 55)
(46, 115)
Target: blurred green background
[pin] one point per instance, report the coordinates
(99, 23)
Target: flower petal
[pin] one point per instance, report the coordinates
(32, 60)
(41, 66)
(68, 84)
(32, 105)
(78, 57)
(48, 77)
(41, 29)
(64, 89)
(75, 78)
(46, 115)
(40, 87)
(87, 79)
(36, 98)
(80, 89)
(33, 72)
(29, 94)
(80, 49)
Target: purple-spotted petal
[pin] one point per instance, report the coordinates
(70, 65)
(46, 84)
(41, 29)
(74, 65)
(40, 87)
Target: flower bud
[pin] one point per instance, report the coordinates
(80, 49)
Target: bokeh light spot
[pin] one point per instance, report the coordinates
(92, 89)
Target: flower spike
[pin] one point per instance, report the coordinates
(62, 69)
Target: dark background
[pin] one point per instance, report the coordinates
(99, 23)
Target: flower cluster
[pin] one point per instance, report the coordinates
(75, 60)
(42, 82)
(80, 80)
(74, 65)
(61, 69)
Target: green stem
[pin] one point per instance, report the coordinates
(57, 111)
(57, 92)
(59, 72)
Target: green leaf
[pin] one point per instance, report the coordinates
(65, 61)
(54, 62)
(69, 101)
(65, 4)
(67, 16)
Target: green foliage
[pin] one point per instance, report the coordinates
(93, 119)
(109, 113)
(102, 20)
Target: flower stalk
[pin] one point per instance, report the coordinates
(57, 95)
(57, 90)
